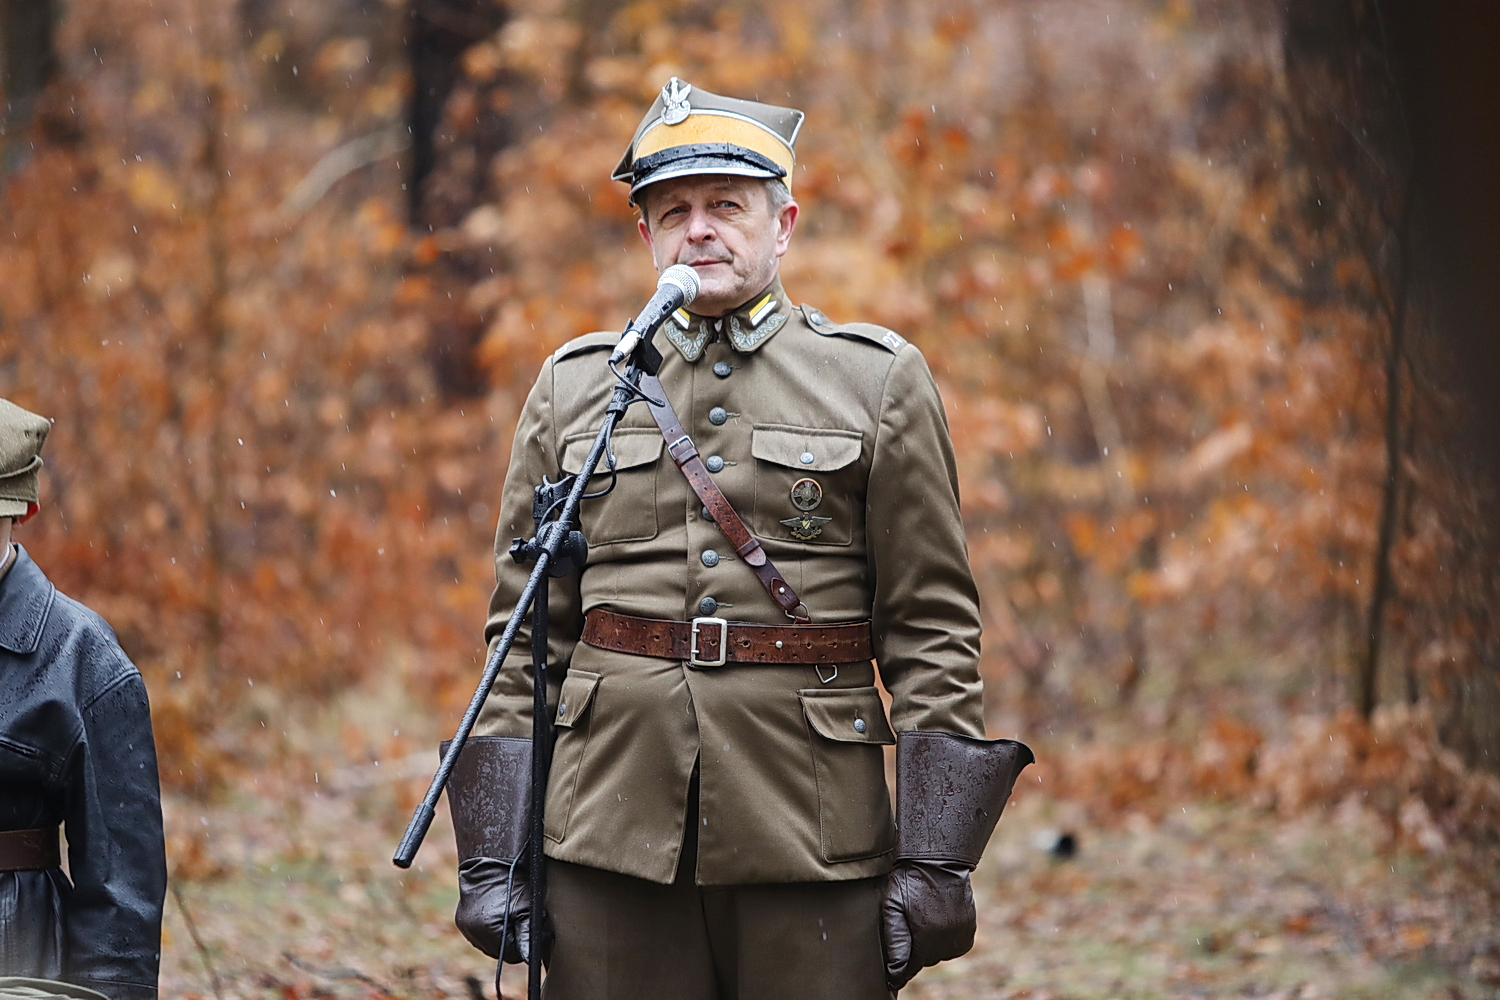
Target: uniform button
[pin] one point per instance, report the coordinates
(859, 725)
(717, 416)
(806, 458)
(562, 710)
(710, 558)
(716, 464)
(722, 369)
(703, 513)
(708, 606)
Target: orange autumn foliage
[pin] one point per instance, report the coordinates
(283, 414)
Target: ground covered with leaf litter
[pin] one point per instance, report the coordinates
(293, 897)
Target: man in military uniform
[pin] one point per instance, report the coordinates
(76, 751)
(717, 817)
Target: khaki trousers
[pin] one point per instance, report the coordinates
(623, 938)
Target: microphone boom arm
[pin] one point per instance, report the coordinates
(546, 552)
(556, 544)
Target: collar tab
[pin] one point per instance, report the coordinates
(746, 328)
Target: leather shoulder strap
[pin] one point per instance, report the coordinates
(680, 446)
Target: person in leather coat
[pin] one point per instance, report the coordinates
(75, 751)
(717, 818)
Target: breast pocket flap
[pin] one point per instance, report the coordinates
(847, 715)
(813, 449)
(577, 694)
(633, 447)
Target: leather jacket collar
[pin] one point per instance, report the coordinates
(25, 598)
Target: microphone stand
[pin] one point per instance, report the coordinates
(557, 549)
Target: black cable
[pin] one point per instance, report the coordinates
(634, 390)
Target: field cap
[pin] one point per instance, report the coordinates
(22, 434)
(690, 131)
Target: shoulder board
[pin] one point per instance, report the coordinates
(888, 339)
(584, 344)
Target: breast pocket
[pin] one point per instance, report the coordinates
(628, 512)
(809, 486)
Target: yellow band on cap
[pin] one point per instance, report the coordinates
(718, 126)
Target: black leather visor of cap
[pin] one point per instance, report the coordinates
(702, 158)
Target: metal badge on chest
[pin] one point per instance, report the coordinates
(806, 495)
(807, 527)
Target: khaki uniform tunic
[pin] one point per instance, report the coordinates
(792, 772)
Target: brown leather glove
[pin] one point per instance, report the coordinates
(927, 917)
(494, 906)
(950, 791)
(489, 795)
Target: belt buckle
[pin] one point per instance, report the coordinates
(723, 626)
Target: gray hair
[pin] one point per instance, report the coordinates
(777, 194)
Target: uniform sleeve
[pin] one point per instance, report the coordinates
(533, 455)
(926, 608)
(116, 855)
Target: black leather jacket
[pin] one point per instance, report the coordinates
(76, 749)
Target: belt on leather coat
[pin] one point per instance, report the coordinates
(28, 850)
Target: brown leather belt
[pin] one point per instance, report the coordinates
(713, 642)
(27, 850)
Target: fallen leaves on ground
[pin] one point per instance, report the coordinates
(296, 898)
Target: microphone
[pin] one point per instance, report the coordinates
(677, 287)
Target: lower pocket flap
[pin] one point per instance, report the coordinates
(847, 715)
(576, 695)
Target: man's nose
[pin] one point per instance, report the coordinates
(700, 229)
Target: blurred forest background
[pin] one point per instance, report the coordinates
(282, 271)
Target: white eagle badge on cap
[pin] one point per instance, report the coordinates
(674, 99)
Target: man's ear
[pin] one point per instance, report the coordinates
(786, 221)
(642, 226)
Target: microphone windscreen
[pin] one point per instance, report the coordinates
(683, 277)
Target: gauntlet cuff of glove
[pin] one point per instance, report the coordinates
(489, 797)
(950, 791)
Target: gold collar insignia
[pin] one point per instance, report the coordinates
(746, 328)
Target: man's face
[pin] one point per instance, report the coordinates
(721, 226)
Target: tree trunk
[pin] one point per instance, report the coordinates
(437, 34)
(27, 62)
(1369, 671)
